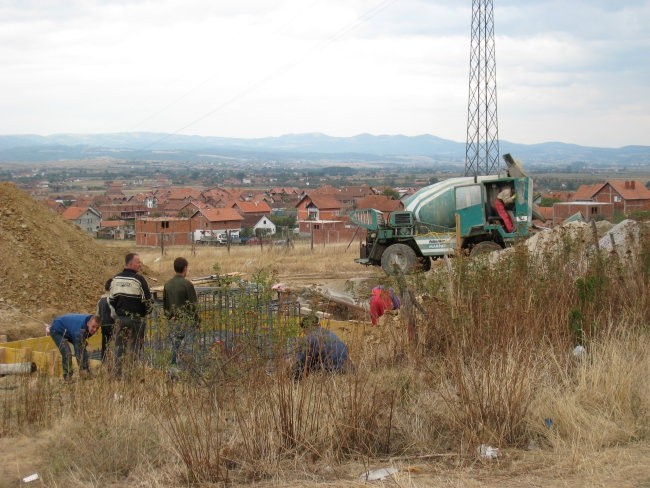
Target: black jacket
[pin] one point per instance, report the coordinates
(130, 295)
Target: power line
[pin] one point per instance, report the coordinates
(285, 67)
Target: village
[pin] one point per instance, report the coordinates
(169, 215)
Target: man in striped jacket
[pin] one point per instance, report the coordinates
(130, 298)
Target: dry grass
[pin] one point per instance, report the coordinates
(492, 362)
(322, 261)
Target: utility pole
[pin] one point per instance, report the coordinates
(482, 146)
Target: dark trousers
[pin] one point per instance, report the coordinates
(107, 334)
(178, 332)
(61, 341)
(129, 339)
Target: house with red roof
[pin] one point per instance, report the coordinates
(315, 211)
(215, 221)
(252, 208)
(626, 196)
(86, 218)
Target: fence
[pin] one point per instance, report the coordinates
(246, 320)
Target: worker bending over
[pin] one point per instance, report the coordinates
(73, 328)
(319, 349)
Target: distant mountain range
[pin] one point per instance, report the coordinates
(146, 146)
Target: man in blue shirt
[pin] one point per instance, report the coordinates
(319, 349)
(74, 328)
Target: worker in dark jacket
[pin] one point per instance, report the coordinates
(180, 305)
(130, 298)
(106, 316)
(319, 349)
(74, 328)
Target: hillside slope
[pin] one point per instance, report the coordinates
(49, 266)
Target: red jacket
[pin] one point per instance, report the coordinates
(379, 303)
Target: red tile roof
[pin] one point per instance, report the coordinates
(252, 207)
(380, 202)
(220, 214)
(586, 192)
(630, 189)
(324, 202)
(627, 189)
(73, 213)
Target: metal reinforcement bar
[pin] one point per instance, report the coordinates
(244, 318)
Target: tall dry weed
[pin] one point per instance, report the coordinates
(599, 399)
(105, 434)
(28, 403)
(497, 324)
(489, 396)
(193, 420)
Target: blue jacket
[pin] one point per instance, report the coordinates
(73, 326)
(322, 349)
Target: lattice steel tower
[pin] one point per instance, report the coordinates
(482, 146)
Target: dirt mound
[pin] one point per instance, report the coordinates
(49, 265)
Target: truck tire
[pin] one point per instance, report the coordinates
(398, 259)
(484, 247)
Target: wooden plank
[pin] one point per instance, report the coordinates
(3, 355)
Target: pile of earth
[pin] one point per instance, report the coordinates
(49, 265)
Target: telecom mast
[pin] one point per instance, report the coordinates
(482, 147)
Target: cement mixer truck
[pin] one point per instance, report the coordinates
(446, 217)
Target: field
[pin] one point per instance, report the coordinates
(491, 364)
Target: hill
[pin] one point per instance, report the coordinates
(49, 265)
(144, 146)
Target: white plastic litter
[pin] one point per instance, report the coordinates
(30, 478)
(378, 474)
(578, 351)
(488, 452)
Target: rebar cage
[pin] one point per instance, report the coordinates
(248, 321)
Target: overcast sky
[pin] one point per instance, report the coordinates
(569, 71)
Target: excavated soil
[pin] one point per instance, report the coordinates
(49, 265)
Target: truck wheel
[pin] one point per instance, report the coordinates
(398, 259)
(484, 247)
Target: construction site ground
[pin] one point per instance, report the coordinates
(50, 267)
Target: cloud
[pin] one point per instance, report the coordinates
(569, 71)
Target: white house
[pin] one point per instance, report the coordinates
(265, 225)
(87, 218)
